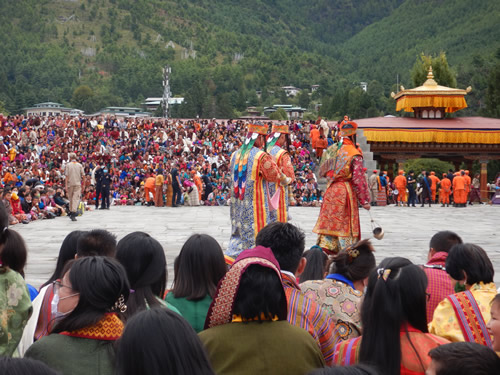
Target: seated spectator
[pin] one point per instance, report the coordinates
(463, 358)
(6, 200)
(159, 341)
(316, 266)
(144, 260)
(493, 325)
(14, 255)
(24, 366)
(393, 316)
(15, 303)
(287, 244)
(462, 316)
(198, 269)
(96, 242)
(41, 322)
(341, 293)
(439, 284)
(93, 290)
(248, 312)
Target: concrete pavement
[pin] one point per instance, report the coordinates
(407, 230)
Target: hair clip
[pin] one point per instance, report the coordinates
(120, 304)
(384, 273)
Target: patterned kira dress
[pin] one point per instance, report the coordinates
(341, 300)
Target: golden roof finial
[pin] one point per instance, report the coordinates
(430, 79)
(430, 75)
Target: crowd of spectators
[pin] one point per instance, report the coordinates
(35, 150)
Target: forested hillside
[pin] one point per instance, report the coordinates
(223, 51)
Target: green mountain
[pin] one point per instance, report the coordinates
(223, 51)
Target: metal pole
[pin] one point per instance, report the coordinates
(166, 90)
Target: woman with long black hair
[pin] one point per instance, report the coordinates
(86, 304)
(395, 338)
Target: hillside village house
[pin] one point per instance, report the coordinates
(290, 90)
(51, 109)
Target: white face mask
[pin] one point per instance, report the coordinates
(54, 305)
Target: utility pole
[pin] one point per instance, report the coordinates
(166, 90)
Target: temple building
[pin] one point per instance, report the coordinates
(430, 133)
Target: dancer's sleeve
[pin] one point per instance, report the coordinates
(269, 169)
(287, 166)
(359, 181)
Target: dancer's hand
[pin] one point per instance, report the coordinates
(367, 206)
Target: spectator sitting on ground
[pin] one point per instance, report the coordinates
(463, 358)
(159, 341)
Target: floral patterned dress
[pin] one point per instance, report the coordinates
(341, 301)
(15, 309)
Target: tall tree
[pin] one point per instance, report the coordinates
(443, 74)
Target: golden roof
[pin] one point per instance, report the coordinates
(432, 95)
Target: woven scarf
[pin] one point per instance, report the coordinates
(109, 328)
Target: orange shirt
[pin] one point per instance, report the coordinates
(458, 183)
(400, 182)
(446, 185)
(435, 181)
(314, 134)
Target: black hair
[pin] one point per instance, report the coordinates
(395, 298)
(443, 241)
(316, 264)
(97, 242)
(14, 252)
(198, 268)
(359, 369)
(159, 341)
(286, 241)
(23, 366)
(100, 282)
(260, 294)
(469, 261)
(144, 260)
(66, 252)
(355, 262)
(4, 223)
(464, 358)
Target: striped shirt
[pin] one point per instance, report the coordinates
(306, 313)
(440, 284)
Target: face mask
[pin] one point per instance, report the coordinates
(105, 171)
(56, 314)
(54, 304)
(51, 196)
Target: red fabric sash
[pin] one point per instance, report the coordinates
(109, 328)
(470, 318)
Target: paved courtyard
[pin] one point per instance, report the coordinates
(407, 230)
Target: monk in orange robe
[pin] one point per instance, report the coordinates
(400, 183)
(435, 181)
(468, 182)
(321, 144)
(149, 187)
(445, 191)
(314, 136)
(459, 190)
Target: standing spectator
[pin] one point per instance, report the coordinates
(74, 174)
(159, 181)
(373, 186)
(105, 188)
(411, 183)
(176, 186)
